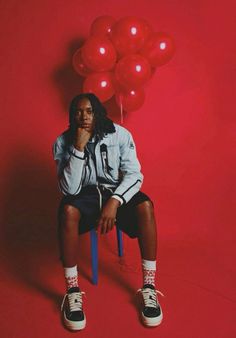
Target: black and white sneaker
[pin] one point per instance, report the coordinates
(151, 313)
(73, 314)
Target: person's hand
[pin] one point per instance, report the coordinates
(107, 218)
(82, 137)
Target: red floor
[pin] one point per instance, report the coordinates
(196, 279)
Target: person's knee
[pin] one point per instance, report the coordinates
(146, 207)
(70, 214)
(145, 213)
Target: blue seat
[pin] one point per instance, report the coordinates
(94, 251)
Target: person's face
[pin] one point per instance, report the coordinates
(84, 115)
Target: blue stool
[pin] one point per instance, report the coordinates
(94, 251)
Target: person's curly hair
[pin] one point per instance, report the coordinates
(103, 125)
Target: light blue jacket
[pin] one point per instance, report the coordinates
(114, 165)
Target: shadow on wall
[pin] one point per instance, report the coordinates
(64, 78)
(69, 83)
(30, 223)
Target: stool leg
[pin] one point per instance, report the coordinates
(94, 255)
(119, 242)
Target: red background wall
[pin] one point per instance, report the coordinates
(185, 132)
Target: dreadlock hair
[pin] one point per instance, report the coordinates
(103, 124)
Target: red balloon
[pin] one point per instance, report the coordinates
(129, 34)
(101, 84)
(78, 64)
(101, 26)
(131, 100)
(98, 54)
(132, 71)
(158, 49)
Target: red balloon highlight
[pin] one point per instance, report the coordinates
(129, 34)
(130, 100)
(158, 49)
(102, 25)
(132, 71)
(101, 84)
(98, 54)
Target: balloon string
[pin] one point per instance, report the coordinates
(121, 111)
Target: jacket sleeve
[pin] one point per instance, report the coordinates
(70, 166)
(132, 177)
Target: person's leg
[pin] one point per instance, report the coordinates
(147, 230)
(137, 220)
(147, 239)
(69, 217)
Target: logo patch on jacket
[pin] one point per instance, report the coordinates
(131, 145)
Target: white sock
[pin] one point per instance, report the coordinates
(71, 276)
(149, 271)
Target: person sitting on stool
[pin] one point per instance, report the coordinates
(100, 178)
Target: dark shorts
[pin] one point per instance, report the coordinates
(87, 201)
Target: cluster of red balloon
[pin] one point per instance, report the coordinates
(119, 57)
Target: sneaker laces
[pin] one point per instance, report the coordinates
(75, 301)
(150, 297)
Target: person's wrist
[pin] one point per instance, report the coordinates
(115, 203)
(118, 198)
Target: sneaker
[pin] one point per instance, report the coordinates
(151, 313)
(73, 315)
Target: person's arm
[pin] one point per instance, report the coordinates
(130, 184)
(70, 168)
(130, 168)
(107, 218)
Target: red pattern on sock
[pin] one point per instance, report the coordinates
(149, 276)
(71, 282)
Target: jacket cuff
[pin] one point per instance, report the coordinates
(79, 154)
(120, 199)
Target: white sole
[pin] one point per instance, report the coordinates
(147, 321)
(72, 325)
